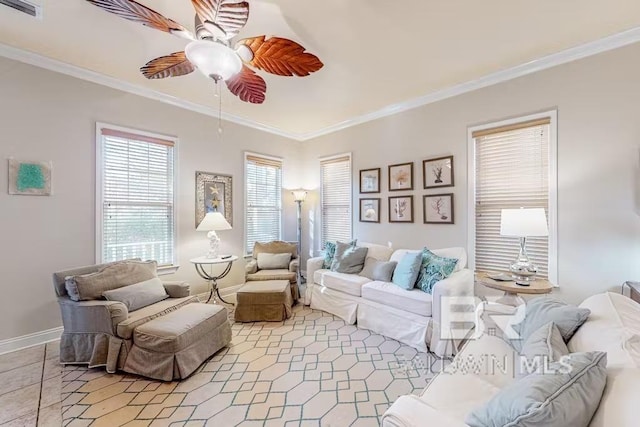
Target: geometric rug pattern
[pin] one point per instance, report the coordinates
(310, 370)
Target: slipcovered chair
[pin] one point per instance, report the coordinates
(255, 273)
(167, 339)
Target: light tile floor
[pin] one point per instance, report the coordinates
(30, 385)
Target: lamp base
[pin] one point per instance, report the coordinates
(522, 270)
(214, 245)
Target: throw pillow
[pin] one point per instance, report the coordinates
(542, 310)
(407, 270)
(433, 269)
(138, 295)
(543, 347)
(568, 395)
(273, 261)
(91, 286)
(348, 259)
(378, 270)
(330, 251)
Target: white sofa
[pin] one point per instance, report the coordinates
(411, 317)
(613, 327)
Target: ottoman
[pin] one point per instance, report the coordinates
(172, 346)
(264, 301)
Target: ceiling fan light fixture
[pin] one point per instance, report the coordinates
(213, 59)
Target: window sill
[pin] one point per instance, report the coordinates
(168, 269)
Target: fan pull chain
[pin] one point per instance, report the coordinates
(219, 95)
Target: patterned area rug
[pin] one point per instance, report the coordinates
(311, 370)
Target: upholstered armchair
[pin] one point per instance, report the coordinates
(280, 272)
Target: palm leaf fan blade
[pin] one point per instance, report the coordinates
(230, 16)
(172, 65)
(248, 86)
(134, 11)
(281, 56)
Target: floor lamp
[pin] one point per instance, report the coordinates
(299, 196)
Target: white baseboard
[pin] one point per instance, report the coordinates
(37, 338)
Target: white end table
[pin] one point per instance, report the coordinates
(203, 261)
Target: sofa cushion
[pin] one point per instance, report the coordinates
(433, 269)
(138, 295)
(542, 310)
(378, 270)
(619, 403)
(91, 286)
(348, 259)
(145, 314)
(613, 326)
(567, 397)
(179, 329)
(279, 274)
(379, 252)
(348, 283)
(407, 270)
(413, 301)
(330, 251)
(496, 358)
(267, 261)
(458, 253)
(544, 346)
(318, 274)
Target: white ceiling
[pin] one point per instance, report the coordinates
(376, 52)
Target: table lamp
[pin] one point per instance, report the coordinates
(212, 222)
(523, 223)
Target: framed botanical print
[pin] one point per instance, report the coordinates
(214, 193)
(438, 208)
(401, 209)
(370, 180)
(438, 172)
(401, 177)
(370, 210)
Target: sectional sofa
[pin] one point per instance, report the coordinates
(612, 327)
(409, 316)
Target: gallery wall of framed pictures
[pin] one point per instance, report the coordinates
(437, 208)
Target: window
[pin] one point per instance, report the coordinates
(336, 198)
(263, 184)
(513, 166)
(135, 203)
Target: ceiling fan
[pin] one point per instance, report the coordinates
(217, 22)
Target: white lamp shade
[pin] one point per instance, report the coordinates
(214, 59)
(529, 222)
(213, 221)
(299, 195)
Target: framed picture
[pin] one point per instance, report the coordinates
(438, 172)
(401, 209)
(29, 178)
(438, 208)
(370, 210)
(401, 177)
(214, 194)
(370, 181)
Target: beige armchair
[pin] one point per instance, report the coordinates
(253, 273)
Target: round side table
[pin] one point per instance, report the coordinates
(203, 261)
(511, 289)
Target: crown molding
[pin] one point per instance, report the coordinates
(605, 44)
(572, 54)
(47, 63)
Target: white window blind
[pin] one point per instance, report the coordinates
(264, 200)
(336, 199)
(137, 194)
(512, 171)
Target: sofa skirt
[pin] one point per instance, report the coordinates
(408, 328)
(93, 349)
(335, 302)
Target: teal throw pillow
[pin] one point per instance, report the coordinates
(433, 269)
(407, 271)
(330, 252)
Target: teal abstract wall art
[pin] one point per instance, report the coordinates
(29, 178)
